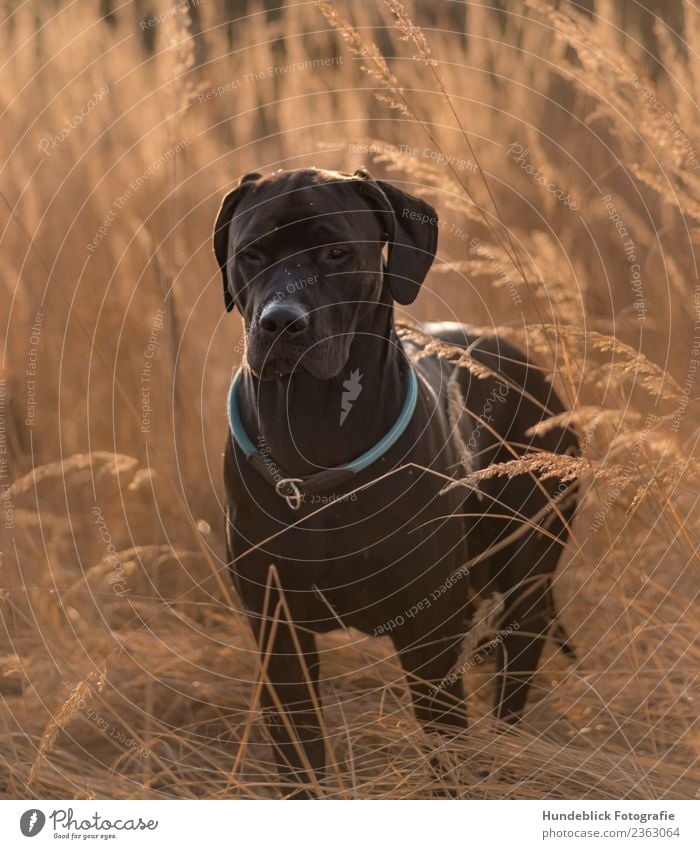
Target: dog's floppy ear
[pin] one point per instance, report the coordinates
(221, 227)
(411, 233)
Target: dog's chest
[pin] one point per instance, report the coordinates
(383, 553)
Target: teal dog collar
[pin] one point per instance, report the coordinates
(294, 489)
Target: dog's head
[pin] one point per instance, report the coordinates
(302, 257)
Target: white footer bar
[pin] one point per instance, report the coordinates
(351, 825)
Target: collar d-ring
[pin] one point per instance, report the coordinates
(296, 496)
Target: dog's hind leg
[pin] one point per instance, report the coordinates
(524, 576)
(519, 643)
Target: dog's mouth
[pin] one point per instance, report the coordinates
(275, 368)
(321, 360)
(280, 368)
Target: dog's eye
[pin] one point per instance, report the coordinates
(250, 255)
(337, 252)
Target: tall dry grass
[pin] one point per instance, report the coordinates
(126, 668)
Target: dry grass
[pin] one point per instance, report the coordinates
(111, 654)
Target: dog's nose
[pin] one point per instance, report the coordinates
(283, 318)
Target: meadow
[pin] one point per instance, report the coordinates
(561, 149)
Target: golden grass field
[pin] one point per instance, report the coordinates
(562, 151)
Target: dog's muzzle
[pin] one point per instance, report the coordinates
(279, 340)
(280, 321)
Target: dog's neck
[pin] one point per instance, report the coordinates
(298, 419)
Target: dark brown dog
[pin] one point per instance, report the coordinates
(327, 380)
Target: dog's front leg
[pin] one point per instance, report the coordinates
(292, 710)
(438, 697)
